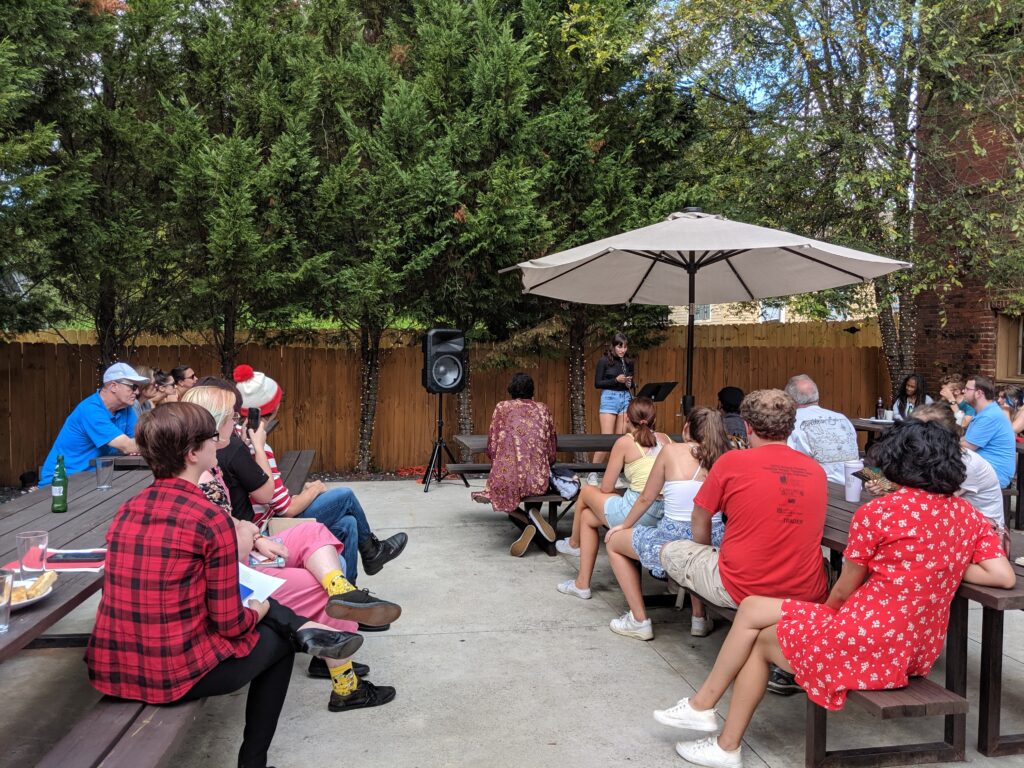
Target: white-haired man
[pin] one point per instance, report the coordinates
(826, 436)
(101, 425)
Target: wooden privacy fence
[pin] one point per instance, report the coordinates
(41, 381)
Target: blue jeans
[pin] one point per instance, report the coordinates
(339, 510)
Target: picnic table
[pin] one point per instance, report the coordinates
(84, 525)
(994, 602)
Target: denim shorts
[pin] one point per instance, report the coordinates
(614, 401)
(617, 507)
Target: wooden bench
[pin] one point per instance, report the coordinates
(920, 698)
(520, 516)
(123, 734)
(294, 467)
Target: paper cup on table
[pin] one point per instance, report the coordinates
(887, 415)
(853, 484)
(104, 473)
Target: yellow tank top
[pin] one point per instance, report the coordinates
(638, 470)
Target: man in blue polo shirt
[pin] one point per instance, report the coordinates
(990, 433)
(101, 425)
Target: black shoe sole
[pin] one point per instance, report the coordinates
(378, 698)
(382, 628)
(780, 690)
(343, 650)
(323, 672)
(373, 614)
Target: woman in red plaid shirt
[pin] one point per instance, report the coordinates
(170, 625)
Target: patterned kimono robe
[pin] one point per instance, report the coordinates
(521, 443)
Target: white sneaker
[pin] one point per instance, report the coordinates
(630, 627)
(592, 479)
(682, 715)
(701, 626)
(569, 587)
(707, 752)
(563, 546)
(543, 526)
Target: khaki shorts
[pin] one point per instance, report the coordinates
(695, 567)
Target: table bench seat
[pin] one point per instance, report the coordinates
(123, 734)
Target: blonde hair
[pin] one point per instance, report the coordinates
(219, 402)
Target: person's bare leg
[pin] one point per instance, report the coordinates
(623, 559)
(590, 498)
(589, 541)
(755, 614)
(620, 423)
(323, 561)
(698, 606)
(749, 687)
(608, 422)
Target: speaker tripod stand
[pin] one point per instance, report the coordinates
(436, 464)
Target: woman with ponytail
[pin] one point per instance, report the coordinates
(678, 474)
(634, 455)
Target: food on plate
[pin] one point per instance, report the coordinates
(38, 587)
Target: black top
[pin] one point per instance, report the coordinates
(607, 370)
(242, 475)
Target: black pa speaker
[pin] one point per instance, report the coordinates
(444, 360)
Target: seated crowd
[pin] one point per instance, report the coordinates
(733, 515)
(737, 521)
(175, 549)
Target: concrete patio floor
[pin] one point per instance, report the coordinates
(493, 668)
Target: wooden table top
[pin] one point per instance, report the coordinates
(83, 525)
(566, 443)
(837, 529)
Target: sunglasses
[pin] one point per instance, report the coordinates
(130, 384)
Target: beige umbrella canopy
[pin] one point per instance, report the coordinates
(695, 256)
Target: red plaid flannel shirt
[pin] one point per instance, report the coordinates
(171, 609)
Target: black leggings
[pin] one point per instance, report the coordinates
(268, 670)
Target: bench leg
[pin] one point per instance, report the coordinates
(816, 755)
(990, 741)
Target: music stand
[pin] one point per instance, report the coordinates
(657, 390)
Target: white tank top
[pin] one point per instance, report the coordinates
(679, 496)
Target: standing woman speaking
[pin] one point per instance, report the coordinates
(614, 377)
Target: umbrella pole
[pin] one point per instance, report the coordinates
(690, 317)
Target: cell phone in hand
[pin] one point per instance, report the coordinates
(253, 421)
(868, 475)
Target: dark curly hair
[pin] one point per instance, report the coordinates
(521, 387)
(921, 454)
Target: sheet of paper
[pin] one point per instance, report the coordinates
(261, 585)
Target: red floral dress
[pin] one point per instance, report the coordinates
(522, 445)
(916, 547)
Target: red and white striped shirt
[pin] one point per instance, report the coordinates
(281, 501)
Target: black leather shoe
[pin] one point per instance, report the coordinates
(318, 668)
(328, 642)
(375, 553)
(381, 628)
(360, 606)
(366, 695)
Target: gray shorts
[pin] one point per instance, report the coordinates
(695, 567)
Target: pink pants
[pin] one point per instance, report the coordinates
(302, 591)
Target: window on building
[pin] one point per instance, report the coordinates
(702, 313)
(770, 314)
(1009, 348)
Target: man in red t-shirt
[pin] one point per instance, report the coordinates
(774, 500)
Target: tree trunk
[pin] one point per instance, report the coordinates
(106, 324)
(465, 401)
(578, 375)
(369, 360)
(228, 349)
(898, 339)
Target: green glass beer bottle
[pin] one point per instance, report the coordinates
(59, 488)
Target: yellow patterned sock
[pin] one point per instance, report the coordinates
(336, 584)
(344, 679)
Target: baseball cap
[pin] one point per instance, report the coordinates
(123, 371)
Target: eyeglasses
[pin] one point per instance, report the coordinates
(130, 384)
(215, 437)
(970, 389)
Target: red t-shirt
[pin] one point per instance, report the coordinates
(774, 499)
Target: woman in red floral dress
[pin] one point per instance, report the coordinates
(885, 619)
(522, 445)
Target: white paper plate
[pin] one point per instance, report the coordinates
(31, 600)
(878, 421)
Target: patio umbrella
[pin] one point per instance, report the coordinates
(701, 257)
